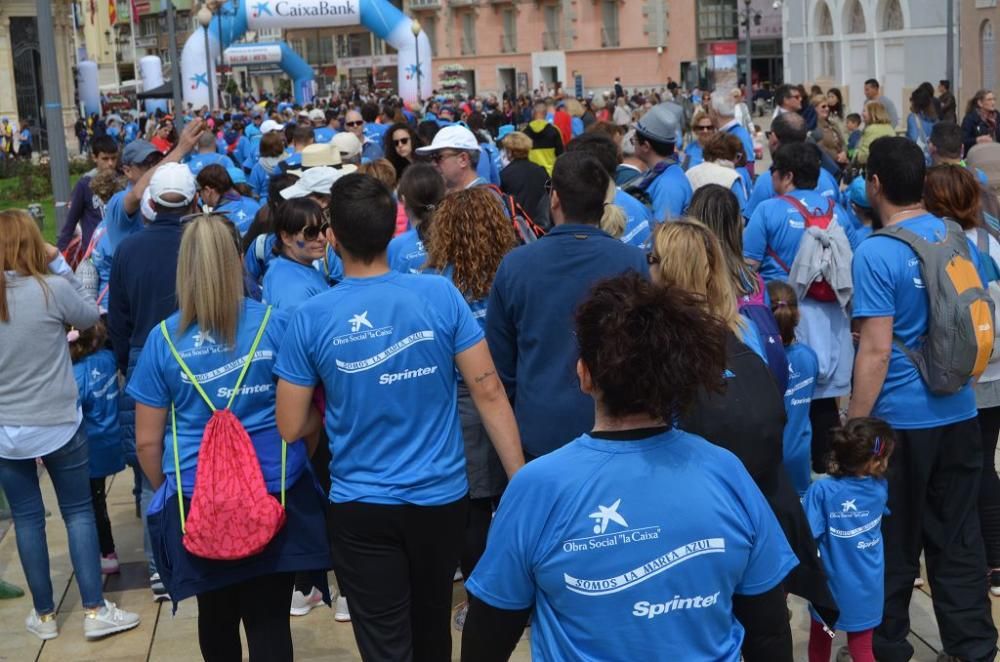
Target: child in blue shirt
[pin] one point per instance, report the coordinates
(97, 383)
(853, 124)
(845, 514)
(803, 366)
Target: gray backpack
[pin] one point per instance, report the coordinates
(959, 338)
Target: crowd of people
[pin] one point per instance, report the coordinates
(583, 354)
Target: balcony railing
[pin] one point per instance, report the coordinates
(609, 38)
(550, 41)
(424, 4)
(508, 43)
(468, 46)
(463, 3)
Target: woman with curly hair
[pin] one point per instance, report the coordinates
(471, 236)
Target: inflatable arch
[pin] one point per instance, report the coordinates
(379, 16)
(275, 53)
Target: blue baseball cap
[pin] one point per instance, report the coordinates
(504, 130)
(137, 151)
(857, 194)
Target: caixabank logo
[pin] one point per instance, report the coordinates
(292, 13)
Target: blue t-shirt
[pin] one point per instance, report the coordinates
(406, 253)
(384, 349)
(199, 162)
(119, 223)
(845, 515)
(778, 226)
(694, 154)
(374, 131)
(638, 220)
(259, 180)
(888, 283)
(803, 366)
(627, 547)
(740, 132)
(97, 385)
(288, 284)
(670, 193)
(131, 132)
(323, 134)
(331, 267)
(159, 382)
(239, 209)
(763, 190)
(259, 256)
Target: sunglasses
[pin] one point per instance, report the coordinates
(702, 128)
(438, 157)
(401, 141)
(313, 232)
(361, 123)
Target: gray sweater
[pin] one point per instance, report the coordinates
(37, 386)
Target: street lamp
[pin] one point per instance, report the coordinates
(748, 17)
(415, 29)
(204, 20)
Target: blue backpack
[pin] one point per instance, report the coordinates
(754, 308)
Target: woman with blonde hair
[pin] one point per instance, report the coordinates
(702, 129)
(827, 134)
(877, 125)
(522, 178)
(40, 418)
(215, 329)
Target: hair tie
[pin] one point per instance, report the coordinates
(72, 335)
(781, 303)
(878, 448)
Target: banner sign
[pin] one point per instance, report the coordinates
(252, 54)
(302, 13)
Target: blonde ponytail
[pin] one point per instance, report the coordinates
(613, 220)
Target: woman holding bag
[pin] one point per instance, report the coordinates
(193, 363)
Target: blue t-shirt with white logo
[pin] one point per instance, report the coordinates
(384, 349)
(158, 381)
(323, 134)
(638, 220)
(406, 253)
(198, 162)
(803, 367)
(763, 189)
(239, 209)
(628, 547)
(845, 515)
(888, 283)
(671, 194)
(97, 384)
(778, 226)
(288, 284)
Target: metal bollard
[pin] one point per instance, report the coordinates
(36, 212)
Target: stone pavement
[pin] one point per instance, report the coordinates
(161, 636)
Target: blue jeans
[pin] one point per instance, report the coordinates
(70, 474)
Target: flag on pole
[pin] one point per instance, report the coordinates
(112, 11)
(134, 11)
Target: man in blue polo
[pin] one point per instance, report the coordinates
(529, 320)
(669, 191)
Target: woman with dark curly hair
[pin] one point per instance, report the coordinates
(591, 537)
(471, 236)
(399, 144)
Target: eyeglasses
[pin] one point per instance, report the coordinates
(438, 157)
(652, 258)
(313, 232)
(401, 141)
(702, 128)
(359, 123)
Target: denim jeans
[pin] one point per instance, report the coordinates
(69, 471)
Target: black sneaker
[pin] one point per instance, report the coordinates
(995, 582)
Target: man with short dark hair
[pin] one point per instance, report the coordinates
(85, 208)
(664, 182)
(947, 100)
(935, 470)
(787, 99)
(529, 318)
(399, 494)
(874, 93)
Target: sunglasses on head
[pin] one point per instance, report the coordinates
(314, 232)
(401, 141)
(359, 123)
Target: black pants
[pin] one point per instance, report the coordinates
(477, 528)
(397, 562)
(933, 492)
(989, 487)
(99, 497)
(824, 416)
(262, 604)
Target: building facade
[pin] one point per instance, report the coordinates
(150, 29)
(517, 46)
(979, 26)
(842, 43)
(21, 69)
(722, 34)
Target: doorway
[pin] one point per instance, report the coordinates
(506, 81)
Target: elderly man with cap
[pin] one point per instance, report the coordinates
(370, 149)
(455, 153)
(663, 184)
(139, 161)
(348, 147)
(142, 292)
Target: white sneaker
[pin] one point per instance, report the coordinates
(110, 565)
(918, 582)
(342, 614)
(458, 575)
(43, 627)
(303, 604)
(109, 619)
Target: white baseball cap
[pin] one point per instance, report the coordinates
(455, 136)
(316, 180)
(172, 178)
(267, 126)
(346, 145)
(317, 115)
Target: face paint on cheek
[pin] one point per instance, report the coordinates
(300, 244)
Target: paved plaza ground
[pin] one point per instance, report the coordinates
(161, 636)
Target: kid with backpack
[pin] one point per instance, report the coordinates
(236, 512)
(845, 514)
(97, 381)
(802, 369)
